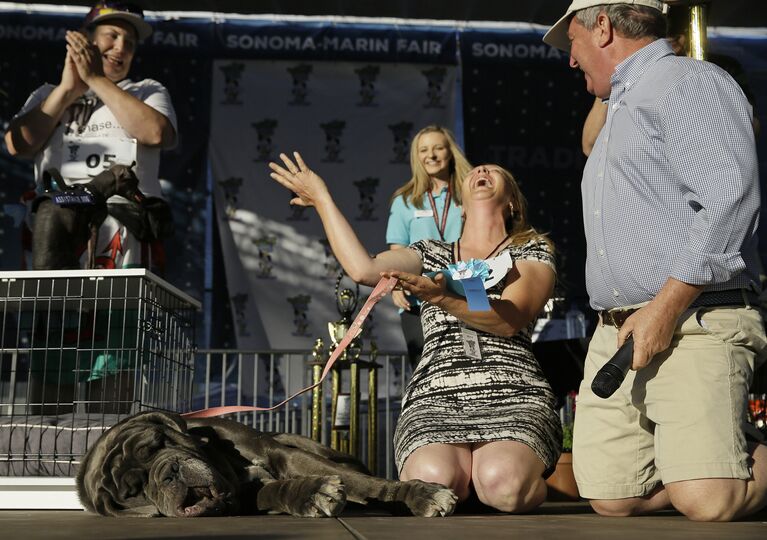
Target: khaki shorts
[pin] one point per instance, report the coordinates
(681, 418)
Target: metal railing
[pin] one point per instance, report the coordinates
(264, 378)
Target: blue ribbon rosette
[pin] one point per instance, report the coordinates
(468, 279)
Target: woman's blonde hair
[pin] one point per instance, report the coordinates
(517, 226)
(414, 190)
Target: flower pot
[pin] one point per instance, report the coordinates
(561, 484)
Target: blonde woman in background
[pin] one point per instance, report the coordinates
(427, 207)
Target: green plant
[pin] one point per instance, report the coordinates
(567, 417)
(567, 438)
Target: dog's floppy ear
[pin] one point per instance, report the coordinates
(172, 420)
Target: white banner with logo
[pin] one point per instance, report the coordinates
(353, 123)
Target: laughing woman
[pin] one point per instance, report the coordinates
(484, 421)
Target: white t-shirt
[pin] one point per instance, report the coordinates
(101, 141)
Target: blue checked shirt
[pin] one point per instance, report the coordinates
(671, 187)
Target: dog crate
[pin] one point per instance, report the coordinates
(80, 350)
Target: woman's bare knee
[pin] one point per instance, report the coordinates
(508, 490)
(430, 468)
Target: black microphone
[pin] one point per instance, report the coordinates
(609, 378)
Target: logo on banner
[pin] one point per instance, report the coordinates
(175, 39)
(264, 132)
(232, 75)
(334, 130)
(367, 190)
(231, 188)
(265, 244)
(331, 265)
(300, 91)
(435, 91)
(401, 147)
(300, 305)
(367, 76)
(240, 303)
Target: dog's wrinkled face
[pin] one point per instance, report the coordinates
(118, 180)
(149, 465)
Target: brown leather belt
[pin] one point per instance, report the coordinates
(734, 297)
(616, 317)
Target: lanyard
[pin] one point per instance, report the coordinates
(458, 248)
(441, 223)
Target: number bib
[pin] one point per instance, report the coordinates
(85, 157)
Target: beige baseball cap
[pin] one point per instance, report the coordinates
(557, 34)
(125, 11)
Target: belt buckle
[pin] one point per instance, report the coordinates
(606, 318)
(616, 317)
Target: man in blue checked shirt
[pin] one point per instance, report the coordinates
(670, 208)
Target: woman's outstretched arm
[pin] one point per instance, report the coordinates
(311, 190)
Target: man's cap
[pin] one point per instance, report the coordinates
(557, 34)
(104, 12)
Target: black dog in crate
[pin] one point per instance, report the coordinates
(158, 464)
(67, 219)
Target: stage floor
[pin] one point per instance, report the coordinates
(556, 521)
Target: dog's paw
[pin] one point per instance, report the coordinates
(427, 499)
(325, 497)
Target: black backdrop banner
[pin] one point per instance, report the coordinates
(522, 105)
(524, 108)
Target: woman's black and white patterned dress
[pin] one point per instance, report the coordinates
(453, 398)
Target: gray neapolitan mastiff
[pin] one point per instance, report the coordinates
(157, 463)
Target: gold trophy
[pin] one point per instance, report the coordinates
(318, 361)
(698, 9)
(345, 406)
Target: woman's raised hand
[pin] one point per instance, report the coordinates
(299, 179)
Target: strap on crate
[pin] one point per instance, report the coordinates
(384, 287)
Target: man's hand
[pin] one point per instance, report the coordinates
(653, 325)
(71, 82)
(86, 56)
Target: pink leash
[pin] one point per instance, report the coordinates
(384, 287)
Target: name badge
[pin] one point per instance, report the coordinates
(471, 343)
(426, 212)
(498, 267)
(85, 157)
